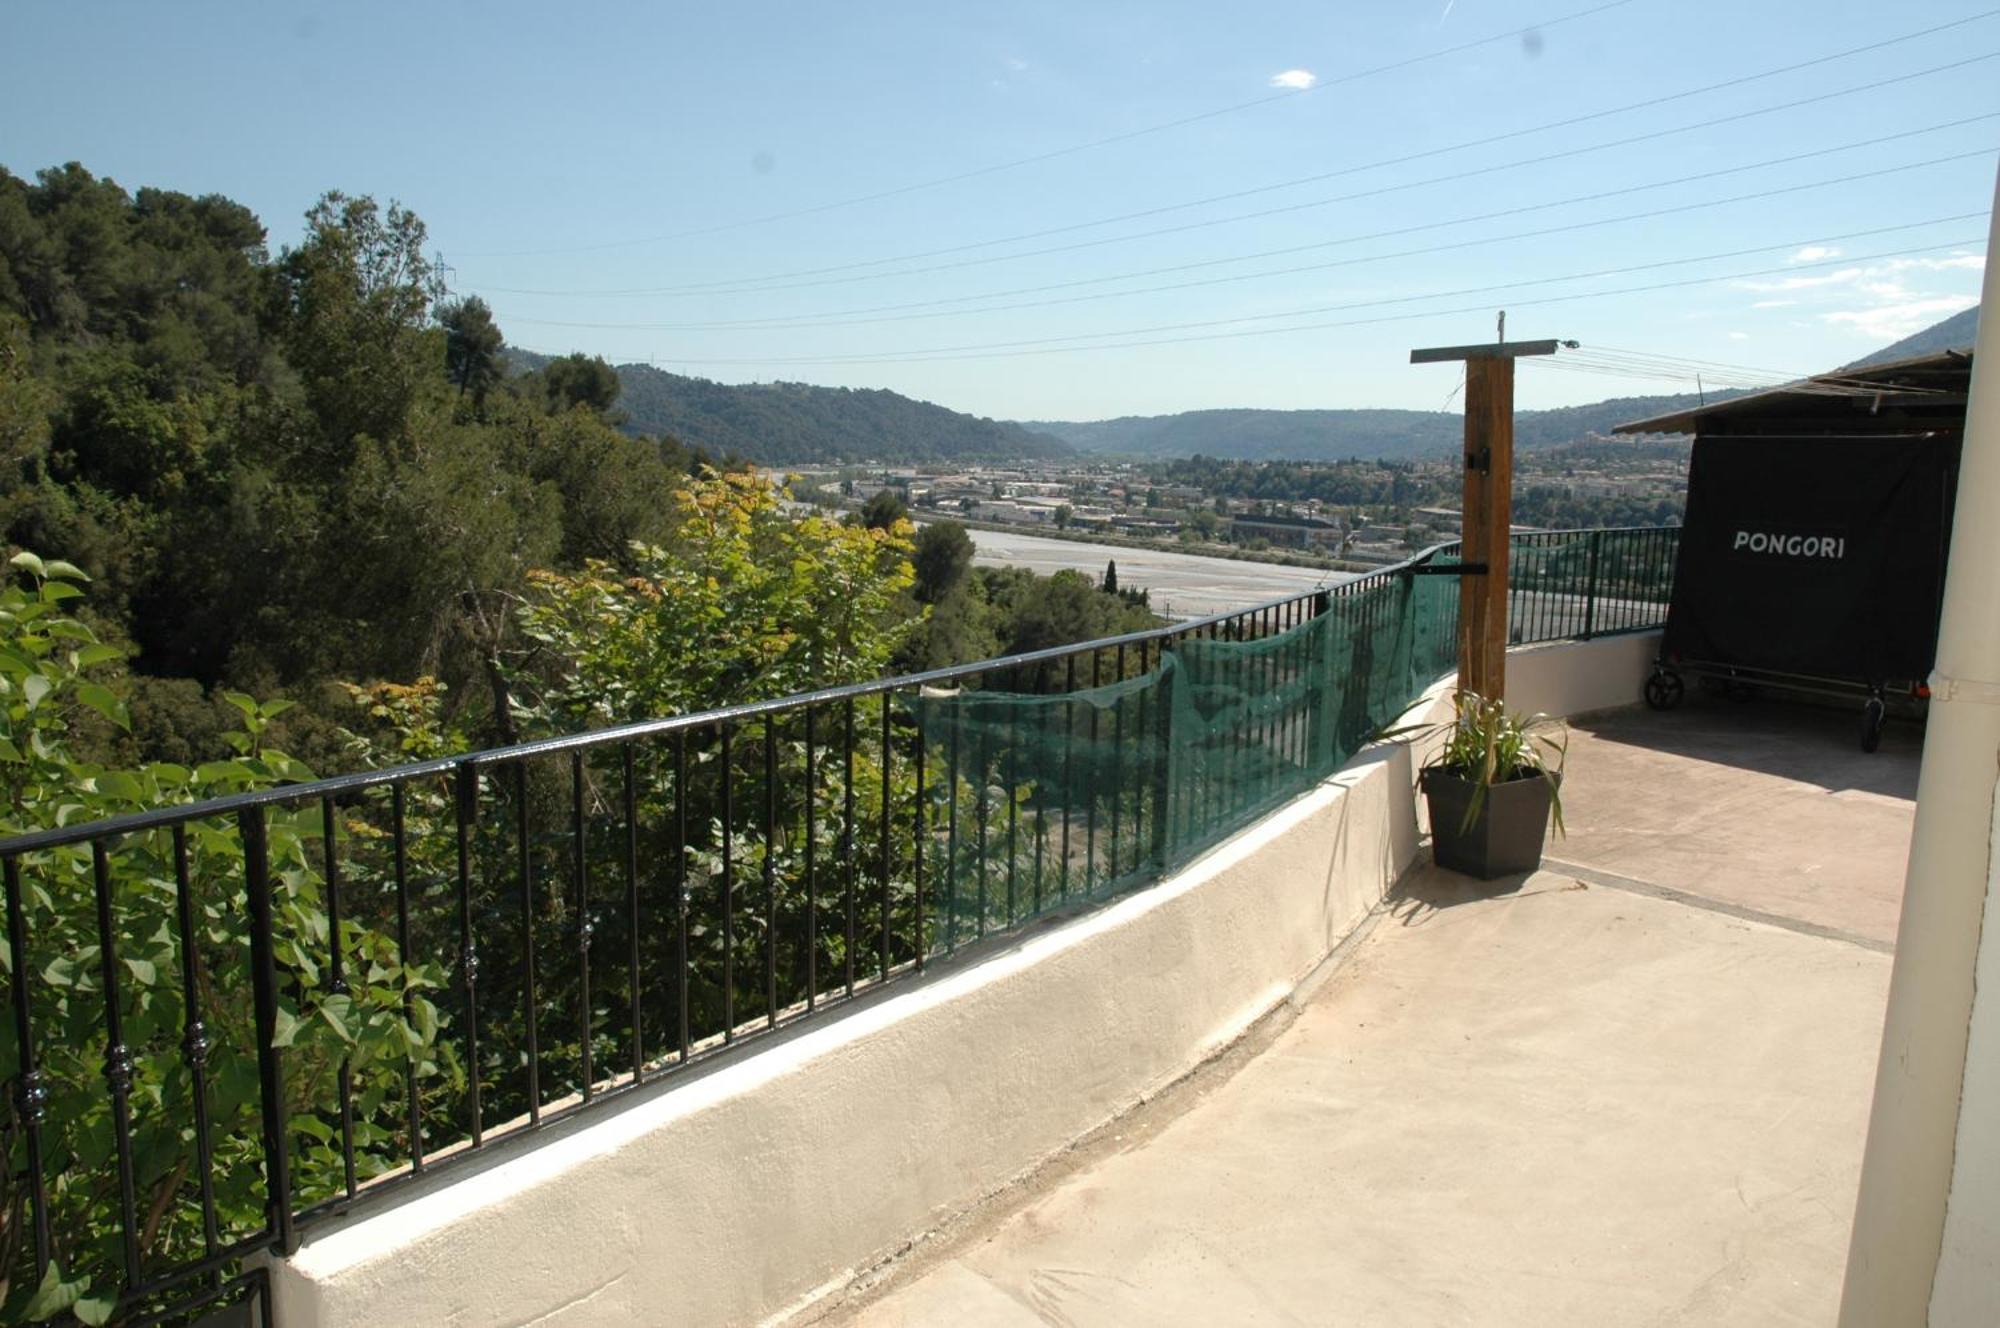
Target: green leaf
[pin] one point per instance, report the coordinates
(120, 784)
(336, 1010)
(287, 1028)
(68, 570)
(313, 1126)
(143, 971)
(54, 592)
(272, 709)
(244, 703)
(36, 686)
(29, 562)
(54, 1295)
(104, 702)
(95, 1310)
(427, 1020)
(100, 653)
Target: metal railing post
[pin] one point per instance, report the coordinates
(1163, 757)
(1316, 716)
(1590, 587)
(31, 1094)
(264, 996)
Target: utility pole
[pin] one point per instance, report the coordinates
(1487, 504)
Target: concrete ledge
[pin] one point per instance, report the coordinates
(738, 1194)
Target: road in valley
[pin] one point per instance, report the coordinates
(1183, 585)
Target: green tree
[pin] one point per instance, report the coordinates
(883, 510)
(738, 602)
(1110, 586)
(24, 400)
(580, 380)
(472, 347)
(357, 296)
(943, 559)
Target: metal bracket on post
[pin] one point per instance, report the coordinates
(1481, 461)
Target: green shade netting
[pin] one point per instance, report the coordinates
(1035, 801)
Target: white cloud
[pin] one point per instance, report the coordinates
(1846, 276)
(1298, 80)
(1017, 64)
(1882, 278)
(1881, 300)
(1739, 336)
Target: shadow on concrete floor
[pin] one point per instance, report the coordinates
(1430, 890)
(1814, 743)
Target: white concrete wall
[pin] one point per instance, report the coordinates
(1576, 677)
(731, 1196)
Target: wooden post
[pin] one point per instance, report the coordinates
(1487, 510)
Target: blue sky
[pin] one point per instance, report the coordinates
(567, 156)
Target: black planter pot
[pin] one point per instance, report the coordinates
(1504, 839)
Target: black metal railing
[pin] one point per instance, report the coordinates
(1579, 584)
(231, 1018)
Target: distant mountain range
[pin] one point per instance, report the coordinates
(1336, 435)
(783, 424)
(796, 423)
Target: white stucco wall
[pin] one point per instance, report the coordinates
(728, 1197)
(1576, 677)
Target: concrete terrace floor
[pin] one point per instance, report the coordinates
(1630, 1089)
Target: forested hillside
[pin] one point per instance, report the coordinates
(281, 469)
(798, 423)
(1338, 435)
(312, 473)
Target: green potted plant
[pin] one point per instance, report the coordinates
(1494, 788)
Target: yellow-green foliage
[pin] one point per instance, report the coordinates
(741, 602)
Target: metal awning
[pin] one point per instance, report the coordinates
(1922, 394)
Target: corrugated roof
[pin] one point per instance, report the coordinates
(1923, 389)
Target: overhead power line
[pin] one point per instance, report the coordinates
(1648, 367)
(1109, 140)
(1145, 335)
(795, 320)
(1664, 369)
(804, 323)
(800, 278)
(1856, 383)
